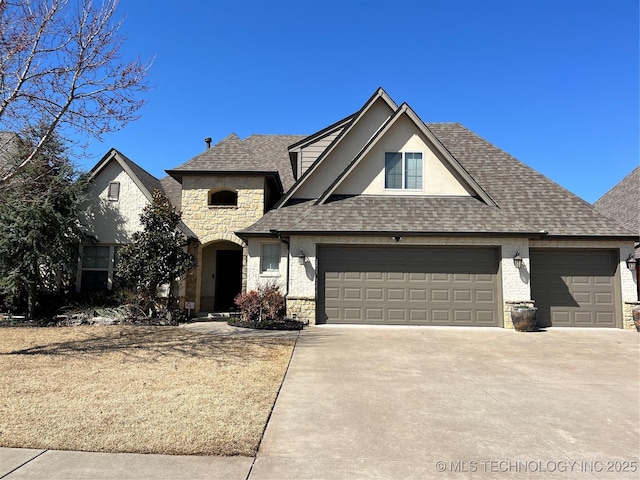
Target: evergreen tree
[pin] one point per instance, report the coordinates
(39, 219)
(156, 255)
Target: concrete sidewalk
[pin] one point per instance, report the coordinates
(28, 464)
(414, 403)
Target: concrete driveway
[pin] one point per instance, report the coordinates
(456, 403)
(420, 403)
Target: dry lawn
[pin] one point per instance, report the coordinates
(137, 389)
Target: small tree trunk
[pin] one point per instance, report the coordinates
(31, 301)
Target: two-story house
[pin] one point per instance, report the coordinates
(383, 219)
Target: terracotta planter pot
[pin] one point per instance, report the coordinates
(524, 319)
(636, 317)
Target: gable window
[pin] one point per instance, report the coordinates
(113, 193)
(403, 170)
(224, 198)
(270, 258)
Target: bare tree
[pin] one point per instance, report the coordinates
(60, 66)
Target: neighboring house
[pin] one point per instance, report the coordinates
(381, 218)
(120, 189)
(622, 204)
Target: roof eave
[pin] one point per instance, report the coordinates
(374, 233)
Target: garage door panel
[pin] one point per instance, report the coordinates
(603, 298)
(418, 295)
(576, 287)
(462, 295)
(373, 294)
(396, 314)
(421, 286)
(485, 317)
(353, 314)
(439, 277)
(375, 314)
(440, 295)
(358, 276)
(352, 294)
(462, 277)
(373, 276)
(605, 319)
(485, 296)
(582, 298)
(462, 317)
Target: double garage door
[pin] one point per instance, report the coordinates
(409, 286)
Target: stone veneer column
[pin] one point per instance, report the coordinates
(304, 308)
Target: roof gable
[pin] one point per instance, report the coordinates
(361, 127)
(146, 182)
(443, 174)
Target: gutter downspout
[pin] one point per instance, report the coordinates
(288, 244)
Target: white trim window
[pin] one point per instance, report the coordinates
(403, 170)
(270, 258)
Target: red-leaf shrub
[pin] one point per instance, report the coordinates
(262, 306)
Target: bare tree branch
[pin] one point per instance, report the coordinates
(60, 66)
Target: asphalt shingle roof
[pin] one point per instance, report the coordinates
(527, 201)
(256, 153)
(150, 182)
(622, 202)
(391, 214)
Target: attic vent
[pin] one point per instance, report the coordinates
(208, 142)
(114, 191)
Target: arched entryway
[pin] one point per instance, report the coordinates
(221, 276)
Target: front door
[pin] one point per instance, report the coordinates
(228, 279)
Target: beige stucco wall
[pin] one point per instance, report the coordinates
(114, 221)
(256, 279)
(404, 136)
(344, 152)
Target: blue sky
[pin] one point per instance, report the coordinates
(553, 82)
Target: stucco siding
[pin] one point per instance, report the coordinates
(344, 151)
(369, 176)
(255, 277)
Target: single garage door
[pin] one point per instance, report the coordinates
(409, 286)
(576, 288)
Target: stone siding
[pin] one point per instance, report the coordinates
(214, 223)
(304, 308)
(218, 223)
(627, 317)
